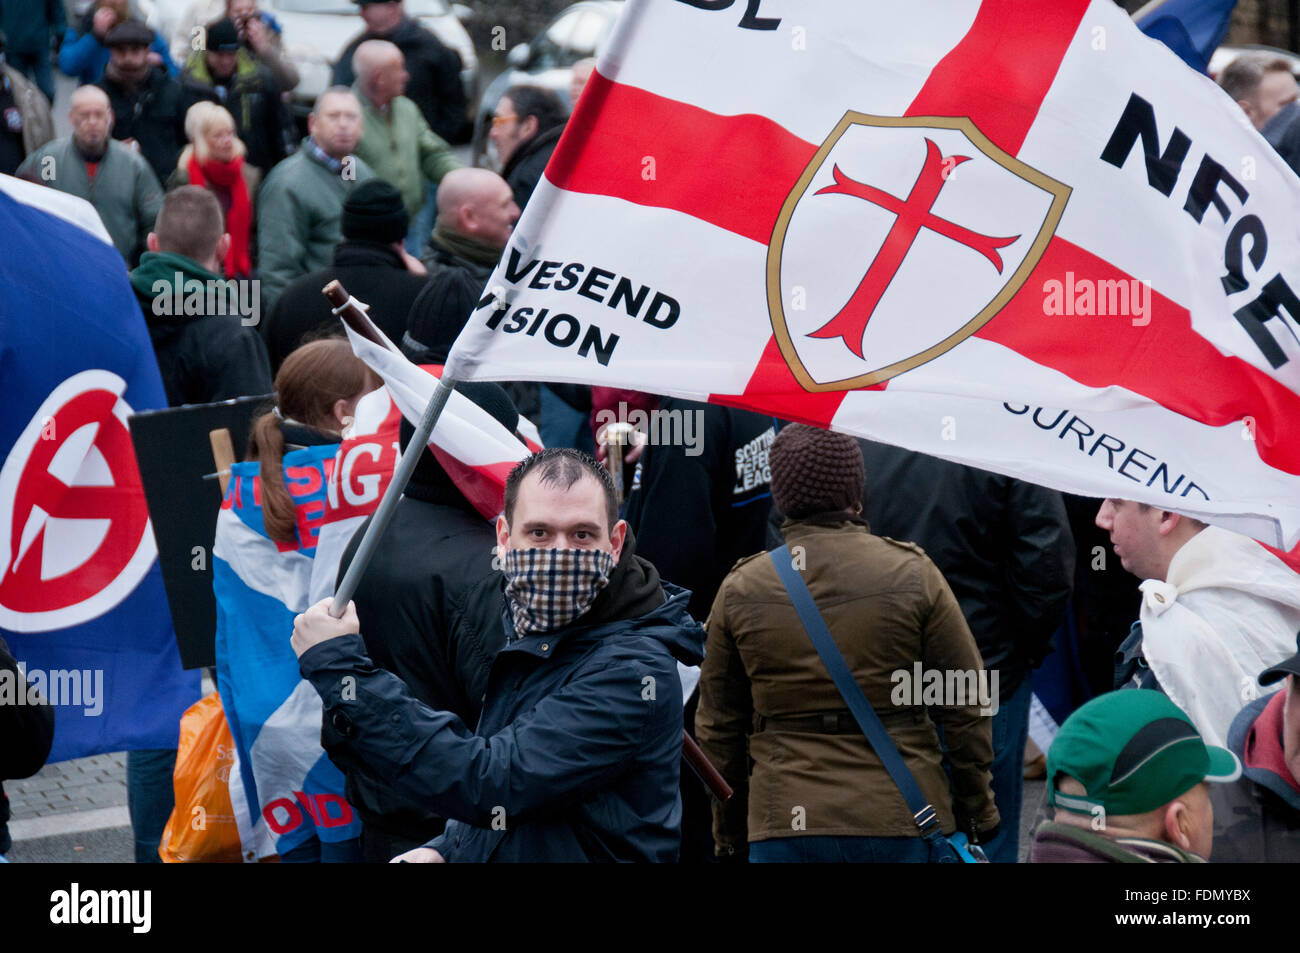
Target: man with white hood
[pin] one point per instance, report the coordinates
(1218, 608)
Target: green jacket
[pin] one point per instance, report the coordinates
(298, 212)
(399, 145)
(125, 192)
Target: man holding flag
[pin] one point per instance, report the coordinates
(578, 747)
(410, 602)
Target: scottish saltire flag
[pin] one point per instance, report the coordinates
(284, 789)
(82, 604)
(1193, 29)
(1020, 236)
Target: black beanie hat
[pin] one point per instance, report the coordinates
(223, 36)
(815, 471)
(374, 212)
(437, 316)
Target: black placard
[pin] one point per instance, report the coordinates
(173, 452)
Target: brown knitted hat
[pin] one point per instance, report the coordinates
(815, 471)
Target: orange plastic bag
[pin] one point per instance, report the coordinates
(202, 827)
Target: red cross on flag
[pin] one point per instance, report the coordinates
(1024, 237)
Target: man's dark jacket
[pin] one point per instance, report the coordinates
(252, 99)
(449, 296)
(1256, 817)
(1003, 545)
(1283, 133)
(434, 70)
(205, 357)
(451, 293)
(698, 510)
(153, 115)
(578, 747)
(372, 272)
(528, 161)
(436, 549)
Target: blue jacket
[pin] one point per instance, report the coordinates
(579, 743)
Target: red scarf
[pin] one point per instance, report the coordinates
(229, 175)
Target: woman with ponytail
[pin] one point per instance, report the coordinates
(263, 565)
(316, 390)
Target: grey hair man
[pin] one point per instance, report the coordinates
(301, 202)
(92, 165)
(1217, 609)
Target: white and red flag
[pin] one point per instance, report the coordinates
(477, 452)
(1022, 236)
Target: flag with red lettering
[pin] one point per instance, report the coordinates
(285, 791)
(1024, 237)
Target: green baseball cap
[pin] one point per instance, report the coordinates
(1133, 750)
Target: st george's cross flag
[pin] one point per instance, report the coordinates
(1021, 236)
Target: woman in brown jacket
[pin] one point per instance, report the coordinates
(816, 790)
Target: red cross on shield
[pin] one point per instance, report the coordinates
(902, 237)
(75, 537)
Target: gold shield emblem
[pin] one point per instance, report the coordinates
(838, 349)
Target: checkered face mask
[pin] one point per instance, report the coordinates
(549, 588)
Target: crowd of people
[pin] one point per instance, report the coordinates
(524, 684)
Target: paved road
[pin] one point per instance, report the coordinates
(75, 812)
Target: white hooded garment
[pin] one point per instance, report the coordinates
(1227, 610)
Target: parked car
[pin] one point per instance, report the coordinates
(577, 32)
(315, 32)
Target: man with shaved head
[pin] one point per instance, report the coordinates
(397, 143)
(92, 165)
(476, 214)
(301, 201)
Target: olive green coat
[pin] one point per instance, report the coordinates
(887, 607)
